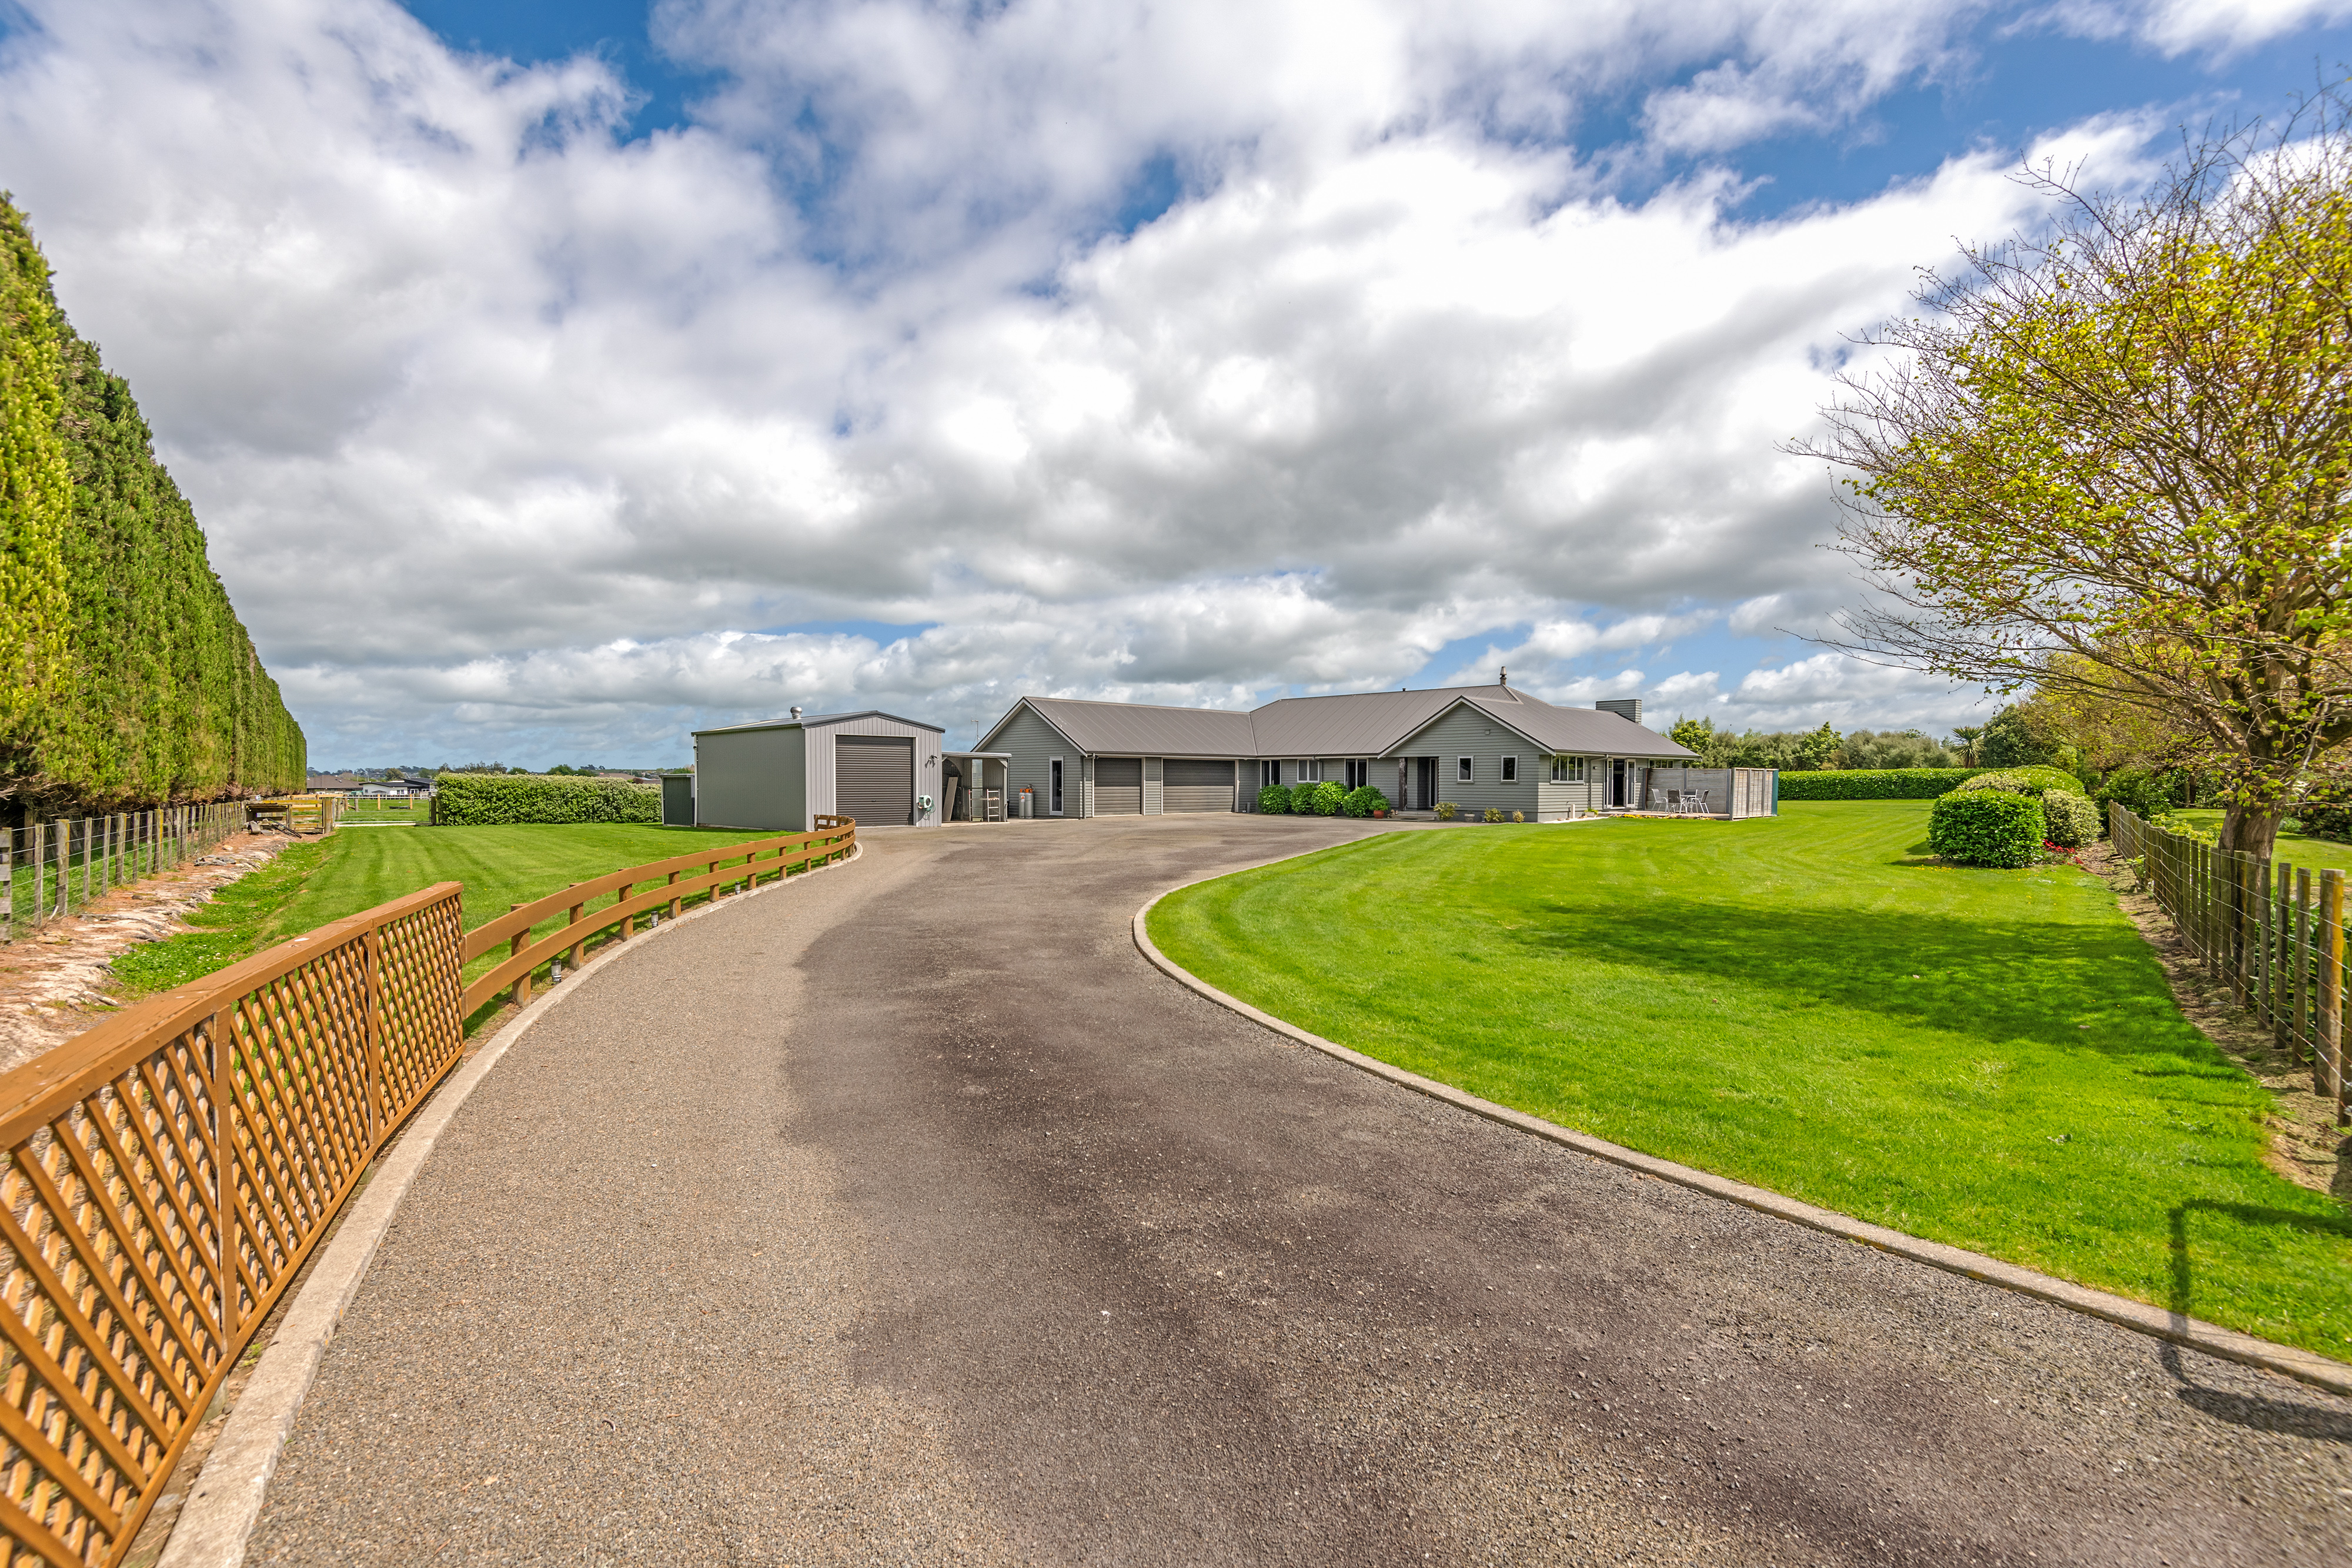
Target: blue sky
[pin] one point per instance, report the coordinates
(553, 378)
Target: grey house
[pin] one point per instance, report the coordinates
(783, 774)
(1477, 746)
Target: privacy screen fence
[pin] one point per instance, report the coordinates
(164, 1176)
(2273, 933)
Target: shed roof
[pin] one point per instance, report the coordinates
(818, 721)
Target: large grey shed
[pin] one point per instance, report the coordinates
(783, 774)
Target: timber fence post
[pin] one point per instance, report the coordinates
(2303, 947)
(2327, 1061)
(514, 950)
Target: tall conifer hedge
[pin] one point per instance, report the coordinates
(126, 679)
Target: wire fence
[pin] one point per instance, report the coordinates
(2271, 933)
(51, 870)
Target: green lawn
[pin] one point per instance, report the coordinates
(1808, 1003)
(356, 868)
(2294, 848)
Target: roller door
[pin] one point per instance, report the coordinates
(1119, 786)
(1199, 786)
(873, 778)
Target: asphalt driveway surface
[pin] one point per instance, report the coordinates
(908, 1215)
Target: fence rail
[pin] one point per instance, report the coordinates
(165, 1176)
(50, 869)
(2263, 929)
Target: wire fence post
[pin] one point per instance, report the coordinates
(2328, 1060)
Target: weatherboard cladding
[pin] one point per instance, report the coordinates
(1468, 730)
(1033, 744)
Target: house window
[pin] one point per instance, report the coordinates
(1310, 771)
(1268, 772)
(1360, 773)
(1567, 769)
(1462, 773)
(1510, 769)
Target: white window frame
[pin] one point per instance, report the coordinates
(1567, 769)
(1057, 786)
(1465, 770)
(1510, 774)
(1360, 772)
(1310, 769)
(1269, 772)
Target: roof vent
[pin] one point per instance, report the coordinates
(796, 713)
(1624, 707)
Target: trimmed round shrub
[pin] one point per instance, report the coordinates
(2071, 820)
(2026, 781)
(1274, 800)
(1321, 800)
(1363, 800)
(1986, 827)
(1447, 810)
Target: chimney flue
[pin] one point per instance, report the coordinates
(1504, 678)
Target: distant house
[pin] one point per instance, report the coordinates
(1475, 746)
(335, 784)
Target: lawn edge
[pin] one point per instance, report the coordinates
(2158, 1323)
(226, 1496)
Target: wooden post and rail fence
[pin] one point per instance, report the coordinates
(165, 1176)
(2271, 933)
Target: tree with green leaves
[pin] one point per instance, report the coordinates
(1819, 748)
(2117, 457)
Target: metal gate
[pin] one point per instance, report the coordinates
(873, 778)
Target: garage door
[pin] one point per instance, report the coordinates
(1197, 786)
(1119, 786)
(873, 778)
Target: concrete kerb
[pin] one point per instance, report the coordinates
(225, 1499)
(2303, 1365)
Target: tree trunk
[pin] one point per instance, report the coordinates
(2251, 829)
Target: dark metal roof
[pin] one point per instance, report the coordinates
(817, 720)
(1351, 724)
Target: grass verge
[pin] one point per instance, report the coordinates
(312, 883)
(1811, 1004)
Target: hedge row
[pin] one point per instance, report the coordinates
(498, 799)
(126, 678)
(1874, 783)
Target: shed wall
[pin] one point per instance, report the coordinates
(927, 745)
(1032, 744)
(753, 778)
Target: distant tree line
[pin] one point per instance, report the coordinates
(126, 678)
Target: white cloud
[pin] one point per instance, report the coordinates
(2212, 27)
(505, 428)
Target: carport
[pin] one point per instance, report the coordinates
(975, 785)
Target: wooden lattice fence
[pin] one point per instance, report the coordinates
(165, 1176)
(2271, 933)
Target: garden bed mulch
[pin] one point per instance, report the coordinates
(55, 982)
(2305, 1144)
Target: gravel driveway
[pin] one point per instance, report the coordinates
(910, 1216)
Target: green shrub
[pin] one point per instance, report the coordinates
(1363, 800)
(1874, 784)
(1447, 810)
(1492, 814)
(2071, 820)
(1319, 800)
(1518, 816)
(1274, 800)
(1986, 827)
(498, 799)
(2136, 791)
(2325, 810)
(2029, 781)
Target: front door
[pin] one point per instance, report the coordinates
(1054, 807)
(1425, 782)
(1617, 783)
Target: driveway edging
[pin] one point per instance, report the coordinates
(2305, 1366)
(225, 1496)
